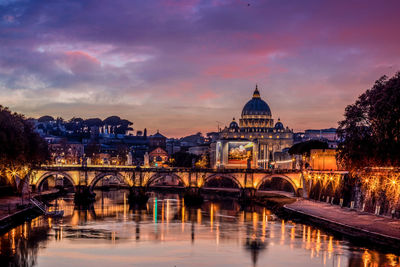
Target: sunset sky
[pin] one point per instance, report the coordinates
(181, 66)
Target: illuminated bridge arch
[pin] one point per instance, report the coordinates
(223, 176)
(49, 174)
(279, 176)
(101, 176)
(162, 176)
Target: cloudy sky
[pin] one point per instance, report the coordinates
(181, 66)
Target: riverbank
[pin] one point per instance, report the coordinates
(274, 201)
(15, 210)
(363, 228)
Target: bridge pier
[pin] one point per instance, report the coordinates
(192, 196)
(83, 195)
(248, 192)
(138, 195)
(247, 195)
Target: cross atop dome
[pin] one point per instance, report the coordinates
(256, 93)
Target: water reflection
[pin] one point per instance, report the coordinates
(166, 233)
(20, 246)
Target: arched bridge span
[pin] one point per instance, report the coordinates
(145, 177)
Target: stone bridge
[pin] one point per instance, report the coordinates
(132, 176)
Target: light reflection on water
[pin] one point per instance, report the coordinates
(166, 233)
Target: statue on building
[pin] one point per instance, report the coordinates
(146, 160)
(129, 158)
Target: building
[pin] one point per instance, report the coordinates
(138, 145)
(199, 150)
(157, 140)
(326, 135)
(66, 152)
(255, 141)
(158, 157)
(173, 146)
(323, 159)
(192, 140)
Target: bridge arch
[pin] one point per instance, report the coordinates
(279, 176)
(158, 176)
(100, 176)
(46, 175)
(224, 176)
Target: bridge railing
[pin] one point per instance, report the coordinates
(59, 167)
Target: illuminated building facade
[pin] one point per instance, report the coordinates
(158, 157)
(255, 141)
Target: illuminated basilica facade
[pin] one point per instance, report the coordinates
(256, 141)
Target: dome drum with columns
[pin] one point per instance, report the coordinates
(257, 126)
(256, 115)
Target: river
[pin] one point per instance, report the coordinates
(166, 233)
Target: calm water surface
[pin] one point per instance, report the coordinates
(166, 233)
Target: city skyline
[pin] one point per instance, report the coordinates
(181, 66)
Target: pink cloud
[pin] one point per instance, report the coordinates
(158, 58)
(76, 56)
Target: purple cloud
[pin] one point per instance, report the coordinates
(179, 66)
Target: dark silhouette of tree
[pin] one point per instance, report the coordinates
(21, 149)
(93, 122)
(45, 119)
(75, 125)
(122, 151)
(183, 159)
(304, 148)
(118, 125)
(92, 150)
(78, 128)
(123, 127)
(370, 132)
(113, 122)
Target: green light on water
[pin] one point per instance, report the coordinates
(155, 210)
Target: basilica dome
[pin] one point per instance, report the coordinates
(234, 127)
(279, 125)
(233, 124)
(256, 106)
(256, 115)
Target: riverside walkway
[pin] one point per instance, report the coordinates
(381, 230)
(9, 204)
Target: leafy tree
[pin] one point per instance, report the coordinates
(304, 148)
(204, 161)
(118, 125)
(45, 119)
(112, 121)
(21, 148)
(183, 159)
(93, 122)
(122, 151)
(93, 150)
(76, 120)
(370, 132)
(123, 127)
(75, 125)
